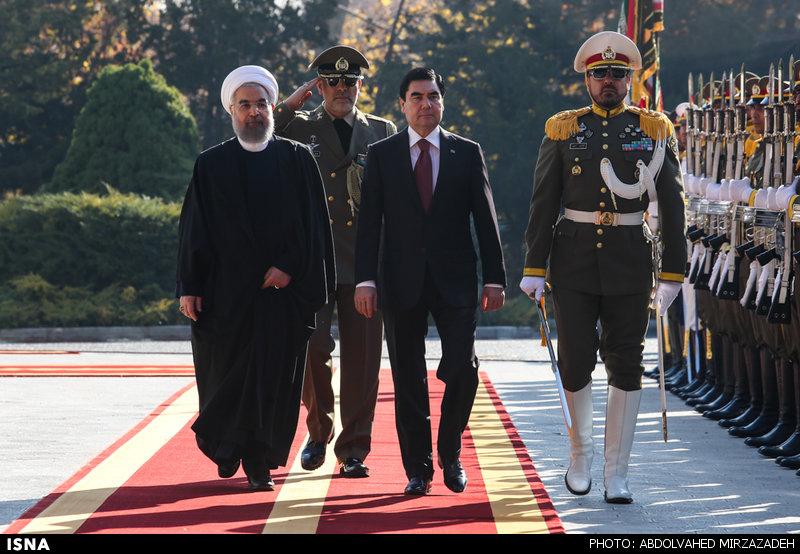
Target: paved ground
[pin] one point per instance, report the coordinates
(702, 481)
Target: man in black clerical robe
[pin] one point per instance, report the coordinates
(255, 263)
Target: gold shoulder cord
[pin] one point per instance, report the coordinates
(564, 124)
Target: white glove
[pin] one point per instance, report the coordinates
(666, 292)
(533, 287)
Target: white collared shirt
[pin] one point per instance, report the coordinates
(434, 139)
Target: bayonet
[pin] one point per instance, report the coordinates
(778, 130)
(699, 131)
(768, 129)
(729, 129)
(740, 124)
(690, 130)
(790, 123)
(708, 124)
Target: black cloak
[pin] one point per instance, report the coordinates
(245, 212)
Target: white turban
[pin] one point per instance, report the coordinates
(248, 74)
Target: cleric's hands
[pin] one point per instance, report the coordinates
(276, 278)
(191, 306)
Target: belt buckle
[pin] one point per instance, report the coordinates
(605, 218)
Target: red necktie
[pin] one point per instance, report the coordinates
(423, 174)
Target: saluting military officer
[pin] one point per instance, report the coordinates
(600, 258)
(338, 134)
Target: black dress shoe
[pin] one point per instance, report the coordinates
(418, 486)
(455, 478)
(261, 482)
(228, 469)
(314, 454)
(353, 467)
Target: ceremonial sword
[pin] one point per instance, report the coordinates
(553, 361)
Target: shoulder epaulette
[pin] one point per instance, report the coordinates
(654, 124)
(564, 124)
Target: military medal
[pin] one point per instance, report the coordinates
(314, 146)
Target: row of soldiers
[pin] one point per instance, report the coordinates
(732, 340)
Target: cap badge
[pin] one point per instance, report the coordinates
(756, 89)
(609, 54)
(342, 65)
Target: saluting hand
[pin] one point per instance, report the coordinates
(298, 98)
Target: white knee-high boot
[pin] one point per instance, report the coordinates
(581, 446)
(621, 412)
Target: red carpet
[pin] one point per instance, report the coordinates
(174, 489)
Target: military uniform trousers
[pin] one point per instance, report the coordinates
(624, 320)
(360, 343)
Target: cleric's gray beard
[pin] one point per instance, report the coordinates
(255, 134)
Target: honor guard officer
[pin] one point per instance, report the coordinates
(603, 164)
(338, 134)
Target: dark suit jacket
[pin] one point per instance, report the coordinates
(396, 240)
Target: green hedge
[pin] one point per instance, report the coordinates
(86, 240)
(30, 301)
(82, 259)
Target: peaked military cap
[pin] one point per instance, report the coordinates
(340, 61)
(756, 89)
(607, 49)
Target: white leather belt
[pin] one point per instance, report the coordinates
(604, 218)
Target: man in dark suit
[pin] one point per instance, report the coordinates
(338, 134)
(415, 257)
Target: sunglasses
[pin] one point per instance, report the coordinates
(348, 81)
(600, 73)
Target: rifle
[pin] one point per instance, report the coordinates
(780, 310)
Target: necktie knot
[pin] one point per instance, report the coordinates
(423, 144)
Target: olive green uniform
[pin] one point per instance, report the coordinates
(360, 338)
(599, 271)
